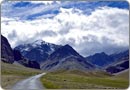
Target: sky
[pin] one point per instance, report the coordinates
(89, 27)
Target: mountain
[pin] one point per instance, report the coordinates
(27, 63)
(24, 61)
(17, 55)
(6, 51)
(37, 51)
(56, 57)
(100, 59)
(114, 63)
(118, 56)
(66, 58)
(103, 60)
(9, 55)
(121, 65)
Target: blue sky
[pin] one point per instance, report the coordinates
(53, 8)
(84, 25)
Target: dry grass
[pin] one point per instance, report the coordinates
(71, 80)
(123, 75)
(11, 74)
(9, 80)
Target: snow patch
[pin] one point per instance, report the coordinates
(26, 49)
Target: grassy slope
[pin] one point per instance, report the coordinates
(10, 74)
(124, 74)
(81, 80)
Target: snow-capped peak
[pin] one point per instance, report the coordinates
(39, 42)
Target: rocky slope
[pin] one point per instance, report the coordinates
(6, 51)
(9, 55)
(100, 59)
(37, 51)
(121, 65)
(103, 60)
(66, 58)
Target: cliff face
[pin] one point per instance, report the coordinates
(6, 51)
(9, 55)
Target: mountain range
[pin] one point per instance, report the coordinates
(37, 51)
(100, 59)
(66, 58)
(49, 57)
(10, 55)
(119, 65)
(103, 60)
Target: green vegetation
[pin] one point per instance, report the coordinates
(123, 75)
(11, 74)
(81, 80)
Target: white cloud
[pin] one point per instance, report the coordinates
(105, 28)
(37, 7)
(45, 2)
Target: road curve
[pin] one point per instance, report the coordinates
(30, 83)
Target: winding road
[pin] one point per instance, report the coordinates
(30, 83)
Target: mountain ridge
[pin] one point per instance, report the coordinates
(61, 57)
(38, 50)
(100, 59)
(66, 58)
(10, 55)
(6, 51)
(103, 60)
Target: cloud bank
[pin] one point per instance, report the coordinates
(88, 30)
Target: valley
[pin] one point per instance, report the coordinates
(65, 67)
(69, 44)
(82, 80)
(11, 74)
